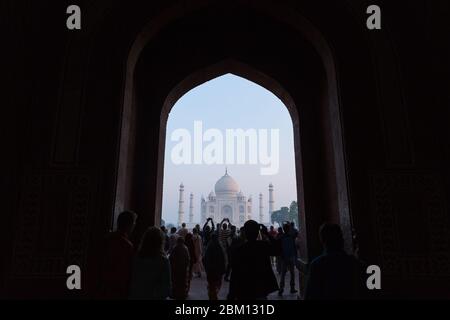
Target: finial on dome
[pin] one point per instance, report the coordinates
(226, 171)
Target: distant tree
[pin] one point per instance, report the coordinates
(276, 217)
(293, 212)
(286, 214)
(280, 216)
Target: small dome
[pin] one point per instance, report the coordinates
(211, 194)
(226, 184)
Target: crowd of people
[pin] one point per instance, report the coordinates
(166, 261)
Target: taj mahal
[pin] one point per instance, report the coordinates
(226, 201)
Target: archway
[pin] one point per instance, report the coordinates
(151, 91)
(227, 140)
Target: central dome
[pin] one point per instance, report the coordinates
(226, 184)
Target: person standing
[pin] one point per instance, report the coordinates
(273, 233)
(189, 242)
(214, 262)
(197, 268)
(232, 243)
(288, 258)
(183, 230)
(252, 277)
(179, 262)
(166, 239)
(173, 239)
(335, 274)
(207, 232)
(118, 252)
(278, 259)
(224, 235)
(151, 278)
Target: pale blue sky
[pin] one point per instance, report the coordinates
(228, 102)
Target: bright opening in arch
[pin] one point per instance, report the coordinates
(226, 104)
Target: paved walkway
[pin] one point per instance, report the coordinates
(199, 292)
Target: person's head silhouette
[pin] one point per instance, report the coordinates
(152, 243)
(286, 228)
(126, 222)
(331, 237)
(251, 229)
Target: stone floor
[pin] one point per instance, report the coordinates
(199, 292)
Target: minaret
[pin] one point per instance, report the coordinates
(271, 200)
(203, 208)
(250, 208)
(191, 208)
(261, 208)
(181, 205)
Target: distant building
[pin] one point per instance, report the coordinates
(227, 201)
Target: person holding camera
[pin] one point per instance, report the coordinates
(288, 257)
(252, 277)
(207, 232)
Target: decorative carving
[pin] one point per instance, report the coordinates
(404, 258)
(33, 256)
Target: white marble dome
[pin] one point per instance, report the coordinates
(226, 184)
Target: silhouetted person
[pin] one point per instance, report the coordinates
(200, 232)
(118, 254)
(207, 232)
(334, 274)
(232, 238)
(189, 242)
(236, 242)
(224, 233)
(273, 233)
(151, 278)
(180, 262)
(278, 259)
(279, 231)
(173, 239)
(166, 239)
(288, 258)
(224, 236)
(214, 263)
(197, 268)
(183, 230)
(252, 276)
(293, 230)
